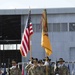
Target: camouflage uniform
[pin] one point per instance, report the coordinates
(35, 71)
(28, 66)
(63, 70)
(42, 70)
(48, 70)
(52, 70)
(15, 71)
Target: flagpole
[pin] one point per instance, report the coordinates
(30, 42)
(46, 70)
(46, 66)
(45, 40)
(30, 48)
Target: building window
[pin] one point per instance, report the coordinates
(50, 27)
(18, 46)
(71, 26)
(56, 27)
(9, 46)
(38, 28)
(63, 27)
(34, 27)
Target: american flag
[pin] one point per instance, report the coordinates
(28, 31)
(22, 70)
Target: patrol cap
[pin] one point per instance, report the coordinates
(61, 60)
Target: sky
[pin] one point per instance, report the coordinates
(35, 4)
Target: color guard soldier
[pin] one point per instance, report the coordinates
(62, 68)
(29, 64)
(49, 69)
(35, 69)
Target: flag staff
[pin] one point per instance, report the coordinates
(30, 48)
(46, 65)
(30, 36)
(30, 41)
(45, 42)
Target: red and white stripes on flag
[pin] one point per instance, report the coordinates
(28, 31)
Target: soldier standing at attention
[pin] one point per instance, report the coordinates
(35, 69)
(29, 64)
(62, 68)
(14, 70)
(49, 69)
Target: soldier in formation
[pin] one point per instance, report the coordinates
(14, 70)
(29, 64)
(46, 67)
(40, 67)
(61, 69)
